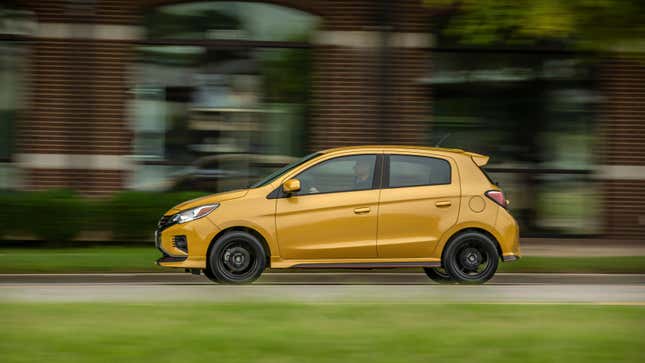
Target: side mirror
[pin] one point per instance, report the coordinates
(291, 186)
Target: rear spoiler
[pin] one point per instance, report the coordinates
(478, 159)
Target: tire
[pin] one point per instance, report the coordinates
(209, 274)
(471, 258)
(236, 258)
(439, 275)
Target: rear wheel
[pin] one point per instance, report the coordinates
(438, 274)
(236, 258)
(471, 258)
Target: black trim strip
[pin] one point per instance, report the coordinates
(377, 181)
(368, 265)
(172, 259)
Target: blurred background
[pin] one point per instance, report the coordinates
(111, 111)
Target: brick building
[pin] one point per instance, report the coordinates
(105, 95)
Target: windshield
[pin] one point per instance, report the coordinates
(276, 174)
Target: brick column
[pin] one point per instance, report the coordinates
(363, 95)
(75, 132)
(623, 148)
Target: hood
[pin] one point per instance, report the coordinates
(213, 198)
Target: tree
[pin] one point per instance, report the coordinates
(597, 25)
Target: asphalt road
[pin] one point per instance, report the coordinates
(331, 287)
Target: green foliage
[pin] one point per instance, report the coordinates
(587, 24)
(53, 215)
(7, 212)
(134, 215)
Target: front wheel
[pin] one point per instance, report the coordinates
(438, 274)
(471, 258)
(236, 258)
(209, 274)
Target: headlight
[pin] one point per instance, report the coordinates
(195, 213)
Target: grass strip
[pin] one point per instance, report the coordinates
(189, 332)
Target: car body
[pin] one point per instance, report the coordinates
(350, 207)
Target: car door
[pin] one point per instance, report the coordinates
(334, 214)
(419, 202)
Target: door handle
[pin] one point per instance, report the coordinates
(443, 203)
(362, 210)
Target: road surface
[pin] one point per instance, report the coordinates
(331, 287)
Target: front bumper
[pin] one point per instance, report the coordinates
(198, 233)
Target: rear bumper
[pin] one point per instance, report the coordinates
(510, 257)
(508, 236)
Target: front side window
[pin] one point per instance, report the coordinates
(409, 171)
(343, 174)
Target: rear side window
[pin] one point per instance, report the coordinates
(409, 171)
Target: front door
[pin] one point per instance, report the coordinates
(419, 202)
(334, 215)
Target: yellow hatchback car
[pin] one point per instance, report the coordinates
(350, 207)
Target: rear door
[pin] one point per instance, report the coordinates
(419, 202)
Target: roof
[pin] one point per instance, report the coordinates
(478, 158)
(392, 147)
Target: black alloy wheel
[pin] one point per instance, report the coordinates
(236, 258)
(471, 258)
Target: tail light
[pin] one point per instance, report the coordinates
(497, 196)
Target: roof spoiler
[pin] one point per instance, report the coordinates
(479, 159)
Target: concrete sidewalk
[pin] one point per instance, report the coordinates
(550, 247)
(326, 288)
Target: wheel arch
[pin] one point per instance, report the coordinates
(471, 229)
(251, 231)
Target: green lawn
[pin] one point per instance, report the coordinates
(320, 333)
(90, 259)
(141, 259)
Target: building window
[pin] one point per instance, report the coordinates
(533, 113)
(11, 94)
(221, 95)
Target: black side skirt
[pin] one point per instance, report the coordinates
(368, 265)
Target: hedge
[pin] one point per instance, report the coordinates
(61, 215)
(134, 215)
